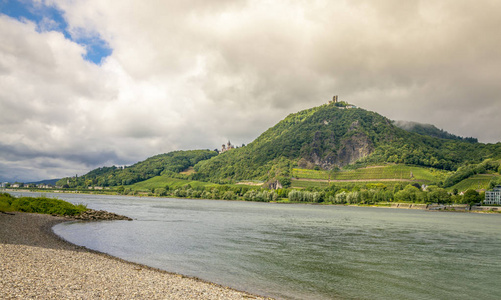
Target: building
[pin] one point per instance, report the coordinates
(341, 104)
(334, 100)
(44, 186)
(493, 197)
(227, 147)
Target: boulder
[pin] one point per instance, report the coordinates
(99, 215)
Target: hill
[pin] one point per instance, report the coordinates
(431, 130)
(330, 137)
(45, 181)
(169, 163)
(326, 137)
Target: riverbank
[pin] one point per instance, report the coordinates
(36, 263)
(419, 206)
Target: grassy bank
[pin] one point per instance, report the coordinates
(41, 205)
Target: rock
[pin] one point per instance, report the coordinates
(98, 215)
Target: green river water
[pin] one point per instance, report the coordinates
(303, 251)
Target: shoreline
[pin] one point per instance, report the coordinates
(414, 206)
(35, 262)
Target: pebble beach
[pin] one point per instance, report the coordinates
(37, 264)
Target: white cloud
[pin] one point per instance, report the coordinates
(191, 74)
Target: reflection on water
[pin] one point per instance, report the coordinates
(303, 251)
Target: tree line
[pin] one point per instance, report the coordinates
(370, 194)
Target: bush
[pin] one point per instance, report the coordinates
(161, 192)
(43, 205)
(6, 201)
(180, 193)
(266, 196)
(229, 195)
(340, 198)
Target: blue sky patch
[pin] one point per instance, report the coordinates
(50, 18)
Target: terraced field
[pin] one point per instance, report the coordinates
(300, 184)
(387, 175)
(349, 185)
(475, 182)
(375, 173)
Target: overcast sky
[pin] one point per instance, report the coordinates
(89, 83)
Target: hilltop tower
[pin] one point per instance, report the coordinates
(334, 99)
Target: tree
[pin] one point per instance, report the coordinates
(121, 189)
(471, 197)
(439, 196)
(409, 194)
(417, 185)
(492, 184)
(161, 192)
(285, 182)
(398, 187)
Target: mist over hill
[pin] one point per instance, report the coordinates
(431, 130)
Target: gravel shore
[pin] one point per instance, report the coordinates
(37, 264)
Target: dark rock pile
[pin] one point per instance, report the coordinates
(91, 215)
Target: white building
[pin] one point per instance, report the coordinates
(493, 197)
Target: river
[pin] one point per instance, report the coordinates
(302, 251)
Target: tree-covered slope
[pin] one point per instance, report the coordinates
(431, 130)
(329, 137)
(174, 162)
(326, 137)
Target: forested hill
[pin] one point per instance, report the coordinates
(327, 137)
(330, 137)
(431, 130)
(172, 162)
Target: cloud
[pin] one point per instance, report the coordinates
(193, 74)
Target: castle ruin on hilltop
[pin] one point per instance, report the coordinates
(227, 147)
(340, 104)
(334, 99)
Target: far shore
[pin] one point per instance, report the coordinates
(36, 263)
(427, 207)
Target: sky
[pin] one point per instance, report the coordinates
(91, 83)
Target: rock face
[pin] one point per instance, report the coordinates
(358, 146)
(98, 215)
(346, 152)
(274, 185)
